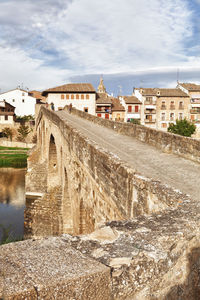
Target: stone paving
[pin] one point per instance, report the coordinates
(169, 169)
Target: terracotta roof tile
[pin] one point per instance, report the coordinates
(131, 100)
(163, 92)
(37, 95)
(191, 86)
(103, 98)
(71, 88)
(116, 105)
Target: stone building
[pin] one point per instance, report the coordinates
(7, 113)
(103, 106)
(160, 107)
(132, 107)
(118, 110)
(82, 96)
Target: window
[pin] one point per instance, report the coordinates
(23, 94)
(6, 118)
(86, 109)
(23, 100)
(82, 97)
(172, 105)
(13, 100)
(163, 105)
(129, 108)
(67, 97)
(149, 98)
(181, 105)
(163, 116)
(106, 116)
(77, 96)
(180, 116)
(171, 116)
(62, 97)
(136, 108)
(164, 125)
(87, 97)
(192, 117)
(99, 115)
(72, 96)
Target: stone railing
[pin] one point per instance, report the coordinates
(167, 142)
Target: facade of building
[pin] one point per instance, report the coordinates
(160, 107)
(82, 96)
(132, 107)
(103, 106)
(118, 110)
(24, 103)
(7, 113)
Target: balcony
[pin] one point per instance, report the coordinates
(172, 107)
(195, 111)
(163, 107)
(181, 107)
(150, 121)
(150, 111)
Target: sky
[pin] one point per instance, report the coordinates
(131, 43)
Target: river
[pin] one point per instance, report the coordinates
(12, 200)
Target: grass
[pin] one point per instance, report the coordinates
(13, 157)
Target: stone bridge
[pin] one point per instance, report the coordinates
(124, 201)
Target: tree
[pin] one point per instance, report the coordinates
(135, 121)
(23, 131)
(182, 127)
(8, 132)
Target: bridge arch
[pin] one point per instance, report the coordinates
(53, 176)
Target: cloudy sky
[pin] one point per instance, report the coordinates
(44, 43)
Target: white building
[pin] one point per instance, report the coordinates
(132, 107)
(24, 103)
(82, 96)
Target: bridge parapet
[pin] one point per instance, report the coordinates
(167, 142)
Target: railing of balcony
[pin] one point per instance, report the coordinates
(181, 107)
(163, 107)
(172, 107)
(150, 111)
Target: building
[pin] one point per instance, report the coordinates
(7, 113)
(38, 96)
(103, 106)
(24, 103)
(160, 107)
(118, 110)
(82, 96)
(193, 90)
(132, 107)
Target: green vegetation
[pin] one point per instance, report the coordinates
(8, 133)
(23, 132)
(13, 157)
(7, 236)
(25, 118)
(135, 121)
(182, 127)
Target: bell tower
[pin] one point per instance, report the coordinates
(101, 87)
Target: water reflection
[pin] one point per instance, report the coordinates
(12, 199)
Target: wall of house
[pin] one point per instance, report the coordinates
(10, 120)
(23, 103)
(77, 103)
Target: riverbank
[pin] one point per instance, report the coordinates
(13, 157)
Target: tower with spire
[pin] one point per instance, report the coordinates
(101, 87)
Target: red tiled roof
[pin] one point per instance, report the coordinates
(71, 88)
(116, 105)
(191, 87)
(103, 98)
(131, 100)
(162, 92)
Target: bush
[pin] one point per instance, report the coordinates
(23, 131)
(8, 133)
(182, 127)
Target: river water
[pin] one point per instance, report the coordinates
(12, 200)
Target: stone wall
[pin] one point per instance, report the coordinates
(93, 185)
(167, 142)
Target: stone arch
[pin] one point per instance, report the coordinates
(67, 210)
(53, 178)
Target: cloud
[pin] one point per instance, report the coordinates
(53, 40)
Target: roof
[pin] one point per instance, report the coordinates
(163, 92)
(103, 98)
(37, 95)
(4, 104)
(191, 87)
(17, 89)
(71, 88)
(131, 100)
(116, 105)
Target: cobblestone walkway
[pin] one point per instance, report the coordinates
(175, 171)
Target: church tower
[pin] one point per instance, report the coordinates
(101, 87)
